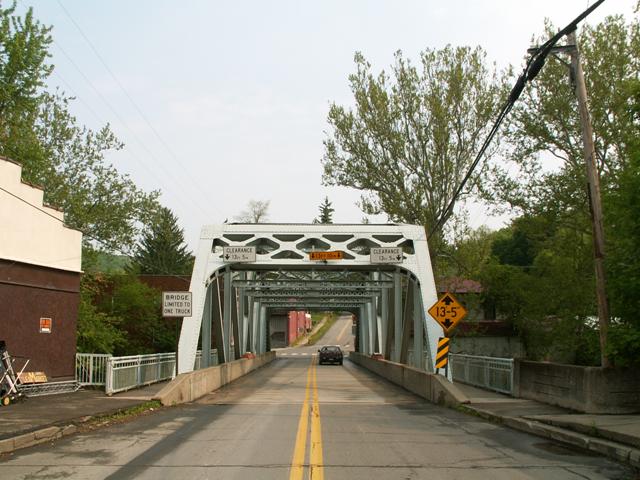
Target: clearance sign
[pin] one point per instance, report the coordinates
(336, 255)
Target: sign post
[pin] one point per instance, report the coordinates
(442, 357)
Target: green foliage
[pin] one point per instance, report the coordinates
(623, 345)
(466, 255)
(121, 316)
(542, 275)
(98, 332)
(412, 134)
(24, 45)
(139, 306)
(546, 290)
(544, 130)
(161, 249)
(326, 212)
(66, 159)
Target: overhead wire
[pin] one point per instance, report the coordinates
(130, 130)
(134, 104)
(61, 221)
(102, 120)
(532, 67)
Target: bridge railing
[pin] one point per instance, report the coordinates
(491, 373)
(123, 373)
(91, 368)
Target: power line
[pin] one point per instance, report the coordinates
(101, 120)
(532, 68)
(125, 124)
(135, 105)
(97, 240)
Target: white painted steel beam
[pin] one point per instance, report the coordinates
(286, 247)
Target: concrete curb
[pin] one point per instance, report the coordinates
(52, 432)
(613, 450)
(433, 388)
(43, 435)
(592, 431)
(190, 386)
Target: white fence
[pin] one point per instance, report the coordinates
(123, 373)
(91, 368)
(485, 372)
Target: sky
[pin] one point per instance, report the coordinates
(219, 103)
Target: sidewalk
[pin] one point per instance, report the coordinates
(616, 436)
(40, 419)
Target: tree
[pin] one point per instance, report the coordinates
(98, 332)
(140, 308)
(66, 159)
(257, 211)
(467, 254)
(326, 212)
(411, 137)
(535, 280)
(544, 127)
(623, 262)
(162, 250)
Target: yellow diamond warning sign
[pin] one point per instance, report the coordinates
(447, 312)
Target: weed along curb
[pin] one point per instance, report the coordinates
(86, 423)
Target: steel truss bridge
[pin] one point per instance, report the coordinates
(232, 302)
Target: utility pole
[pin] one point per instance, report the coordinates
(595, 204)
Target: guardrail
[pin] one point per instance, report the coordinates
(123, 373)
(491, 373)
(213, 360)
(91, 368)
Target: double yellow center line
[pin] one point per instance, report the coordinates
(316, 469)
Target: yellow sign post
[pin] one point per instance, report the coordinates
(447, 312)
(442, 357)
(336, 255)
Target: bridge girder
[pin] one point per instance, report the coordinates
(231, 300)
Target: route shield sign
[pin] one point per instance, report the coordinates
(239, 254)
(386, 255)
(447, 312)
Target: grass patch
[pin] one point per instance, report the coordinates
(331, 319)
(123, 415)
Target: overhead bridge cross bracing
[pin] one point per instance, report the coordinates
(380, 273)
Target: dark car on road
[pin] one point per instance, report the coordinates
(330, 354)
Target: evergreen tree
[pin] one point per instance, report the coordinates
(161, 249)
(326, 212)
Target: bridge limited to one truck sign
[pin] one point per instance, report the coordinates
(176, 304)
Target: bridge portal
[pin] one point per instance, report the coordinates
(243, 272)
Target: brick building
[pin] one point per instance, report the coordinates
(40, 269)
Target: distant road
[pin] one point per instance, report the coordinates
(338, 334)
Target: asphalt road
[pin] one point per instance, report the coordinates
(293, 420)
